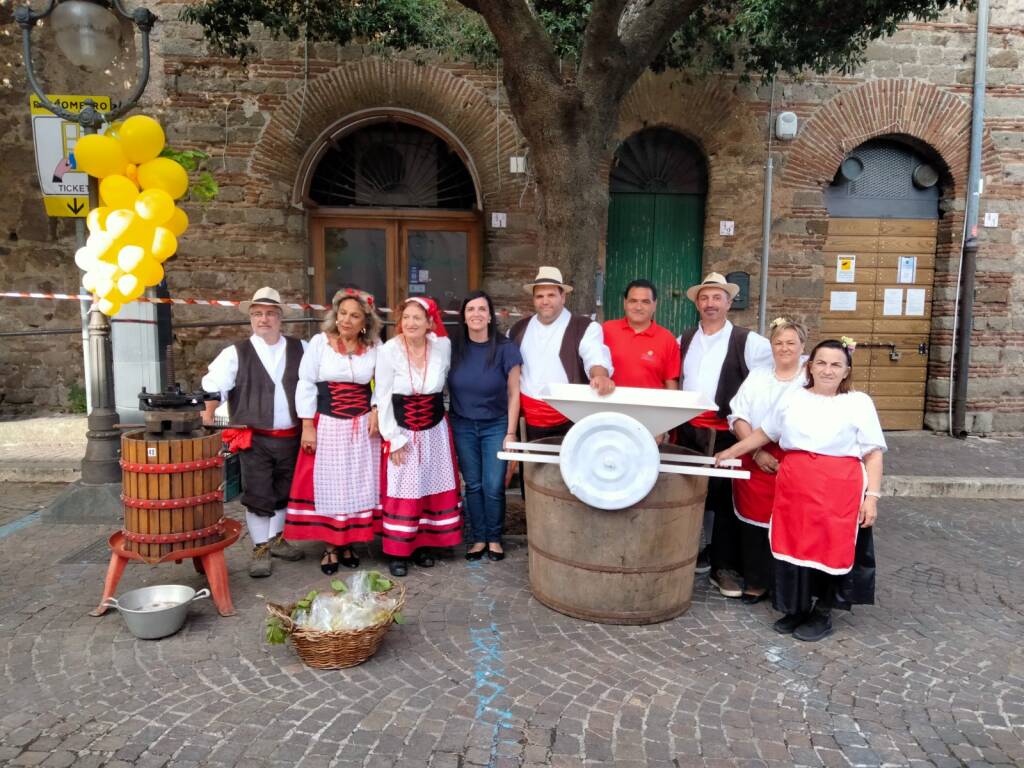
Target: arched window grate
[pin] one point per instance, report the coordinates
(392, 165)
(877, 180)
(659, 160)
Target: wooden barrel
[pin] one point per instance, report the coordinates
(625, 566)
(171, 490)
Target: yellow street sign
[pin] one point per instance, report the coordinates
(65, 189)
(66, 205)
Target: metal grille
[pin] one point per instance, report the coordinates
(887, 170)
(885, 188)
(392, 165)
(659, 160)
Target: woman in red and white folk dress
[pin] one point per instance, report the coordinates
(336, 487)
(752, 499)
(826, 493)
(421, 506)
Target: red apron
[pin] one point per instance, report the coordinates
(752, 499)
(814, 517)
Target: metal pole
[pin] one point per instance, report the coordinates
(970, 252)
(766, 223)
(83, 306)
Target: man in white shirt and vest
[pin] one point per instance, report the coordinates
(557, 347)
(717, 356)
(258, 378)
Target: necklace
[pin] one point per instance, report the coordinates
(788, 378)
(408, 361)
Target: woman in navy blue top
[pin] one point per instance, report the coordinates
(484, 387)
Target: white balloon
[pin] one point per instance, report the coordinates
(85, 258)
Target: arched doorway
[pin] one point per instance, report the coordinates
(879, 260)
(657, 190)
(394, 210)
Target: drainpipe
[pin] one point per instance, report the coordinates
(968, 259)
(766, 222)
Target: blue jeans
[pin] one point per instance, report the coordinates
(477, 444)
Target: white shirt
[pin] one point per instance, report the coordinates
(844, 425)
(322, 363)
(702, 366)
(759, 393)
(392, 377)
(541, 345)
(220, 376)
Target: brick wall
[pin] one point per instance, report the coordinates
(262, 121)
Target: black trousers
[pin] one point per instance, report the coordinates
(267, 469)
(539, 433)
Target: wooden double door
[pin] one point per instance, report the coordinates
(397, 254)
(878, 289)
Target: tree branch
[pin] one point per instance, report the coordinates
(647, 28)
(602, 55)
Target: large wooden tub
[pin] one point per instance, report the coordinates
(626, 566)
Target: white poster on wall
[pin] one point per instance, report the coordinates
(915, 301)
(846, 267)
(893, 301)
(842, 301)
(907, 271)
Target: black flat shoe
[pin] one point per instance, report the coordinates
(746, 599)
(423, 559)
(817, 627)
(329, 568)
(398, 568)
(471, 555)
(351, 560)
(495, 556)
(788, 623)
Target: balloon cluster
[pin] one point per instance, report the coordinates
(136, 228)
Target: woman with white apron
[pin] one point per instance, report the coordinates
(826, 493)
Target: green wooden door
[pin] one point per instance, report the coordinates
(658, 237)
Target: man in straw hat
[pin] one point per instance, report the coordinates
(717, 356)
(557, 347)
(258, 377)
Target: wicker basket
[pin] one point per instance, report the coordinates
(341, 648)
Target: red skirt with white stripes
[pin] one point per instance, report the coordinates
(814, 518)
(752, 499)
(421, 503)
(336, 491)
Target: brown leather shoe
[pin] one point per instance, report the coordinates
(282, 549)
(260, 565)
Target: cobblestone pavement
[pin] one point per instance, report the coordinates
(483, 675)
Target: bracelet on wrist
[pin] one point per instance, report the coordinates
(876, 494)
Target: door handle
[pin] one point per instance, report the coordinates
(677, 293)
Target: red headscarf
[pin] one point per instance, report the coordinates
(433, 313)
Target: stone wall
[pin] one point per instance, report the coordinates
(261, 121)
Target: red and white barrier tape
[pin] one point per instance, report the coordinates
(206, 302)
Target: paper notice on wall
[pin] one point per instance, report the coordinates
(842, 301)
(915, 301)
(417, 288)
(846, 267)
(893, 301)
(907, 271)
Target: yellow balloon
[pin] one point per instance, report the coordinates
(101, 243)
(155, 205)
(85, 258)
(97, 216)
(108, 307)
(149, 271)
(178, 222)
(131, 286)
(99, 156)
(164, 244)
(89, 282)
(119, 221)
(163, 173)
(142, 138)
(130, 257)
(118, 192)
(105, 269)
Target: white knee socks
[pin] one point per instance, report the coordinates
(276, 523)
(259, 528)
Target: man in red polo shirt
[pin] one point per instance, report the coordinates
(643, 353)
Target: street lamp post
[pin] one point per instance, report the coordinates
(86, 33)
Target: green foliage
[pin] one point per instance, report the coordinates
(276, 633)
(76, 398)
(762, 36)
(202, 186)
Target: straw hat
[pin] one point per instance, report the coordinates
(714, 280)
(264, 297)
(548, 276)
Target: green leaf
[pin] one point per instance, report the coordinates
(276, 633)
(339, 586)
(399, 618)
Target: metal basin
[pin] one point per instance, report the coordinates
(155, 612)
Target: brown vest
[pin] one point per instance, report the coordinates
(734, 369)
(251, 402)
(569, 352)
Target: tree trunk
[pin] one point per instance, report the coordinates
(568, 159)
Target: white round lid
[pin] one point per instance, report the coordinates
(609, 460)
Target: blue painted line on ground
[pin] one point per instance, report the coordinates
(17, 525)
